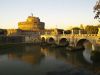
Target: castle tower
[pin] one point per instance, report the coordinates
(31, 23)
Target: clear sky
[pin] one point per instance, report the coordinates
(55, 13)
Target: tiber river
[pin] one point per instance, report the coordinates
(37, 60)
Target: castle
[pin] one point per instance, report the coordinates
(31, 24)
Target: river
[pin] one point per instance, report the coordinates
(37, 60)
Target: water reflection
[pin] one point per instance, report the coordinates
(91, 57)
(87, 55)
(28, 54)
(54, 52)
(36, 60)
(79, 59)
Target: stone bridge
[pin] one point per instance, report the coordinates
(89, 41)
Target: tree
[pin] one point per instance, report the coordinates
(91, 29)
(81, 26)
(67, 32)
(97, 10)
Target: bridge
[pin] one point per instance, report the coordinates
(88, 41)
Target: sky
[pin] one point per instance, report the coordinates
(55, 13)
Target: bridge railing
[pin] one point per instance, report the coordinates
(91, 35)
(86, 35)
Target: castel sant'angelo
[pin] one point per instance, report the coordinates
(31, 23)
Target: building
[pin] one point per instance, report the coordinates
(54, 31)
(27, 32)
(75, 30)
(31, 29)
(11, 32)
(31, 23)
(3, 31)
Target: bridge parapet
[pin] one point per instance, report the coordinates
(74, 38)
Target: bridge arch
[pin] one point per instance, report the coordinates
(51, 40)
(85, 44)
(63, 42)
(43, 39)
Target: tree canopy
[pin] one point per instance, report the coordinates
(97, 10)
